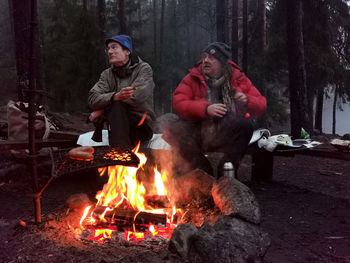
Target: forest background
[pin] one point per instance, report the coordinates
(295, 52)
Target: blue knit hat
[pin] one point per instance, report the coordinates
(123, 40)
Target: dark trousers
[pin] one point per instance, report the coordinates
(123, 129)
(231, 137)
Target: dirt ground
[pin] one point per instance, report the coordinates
(306, 211)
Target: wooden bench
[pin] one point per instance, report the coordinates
(262, 160)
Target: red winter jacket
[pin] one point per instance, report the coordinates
(190, 102)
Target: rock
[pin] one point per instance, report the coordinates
(77, 201)
(236, 199)
(180, 240)
(228, 240)
(193, 186)
(194, 217)
(346, 136)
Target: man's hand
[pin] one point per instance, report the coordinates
(217, 110)
(241, 98)
(124, 93)
(95, 114)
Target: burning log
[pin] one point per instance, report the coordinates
(119, 213)
(146, 218)
(127, 217)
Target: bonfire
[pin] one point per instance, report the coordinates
(126, 204)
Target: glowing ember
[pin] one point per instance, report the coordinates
(123, 192)
(101, 234)
(153, 230)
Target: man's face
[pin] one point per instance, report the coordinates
(211, 66)
(117, 55)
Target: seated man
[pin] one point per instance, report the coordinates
(123, 96)
(217, 105)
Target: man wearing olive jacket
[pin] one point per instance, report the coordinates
(123, 96)
(216, 104)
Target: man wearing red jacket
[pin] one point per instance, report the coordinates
(217, 105)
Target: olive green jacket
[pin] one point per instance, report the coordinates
(141, 78)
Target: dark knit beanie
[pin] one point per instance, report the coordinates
(123, 40)
(219, 50)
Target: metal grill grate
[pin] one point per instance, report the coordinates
(103, 156)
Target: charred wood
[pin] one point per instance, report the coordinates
(127, 217)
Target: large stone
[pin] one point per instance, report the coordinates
(235, 199)
(180, 240)
(228, 240)
(77, 201)
(193, 186)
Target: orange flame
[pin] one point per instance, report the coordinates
(86, 211)
(159, 182)
(142, 119)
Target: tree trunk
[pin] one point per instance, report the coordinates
(33, 40)
(310, 96)
(195, 47)
(334, 120)
(297, 74)
(211, 24)
(319, 110)
(161, 41)
(261, 24)
(122, 17)
(227, 22)
(155, 30)
(139, 17)
(176, 51)
(245, 37)
(21, 13)
(101, 12)
(101, 16)
(220, 20)
(187, 27)
(234, 32)
(261, 43)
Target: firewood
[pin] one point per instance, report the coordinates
(128, 216)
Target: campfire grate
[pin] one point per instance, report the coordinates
(103, 156)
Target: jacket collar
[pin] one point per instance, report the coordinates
(131, 64)
(196, 71)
